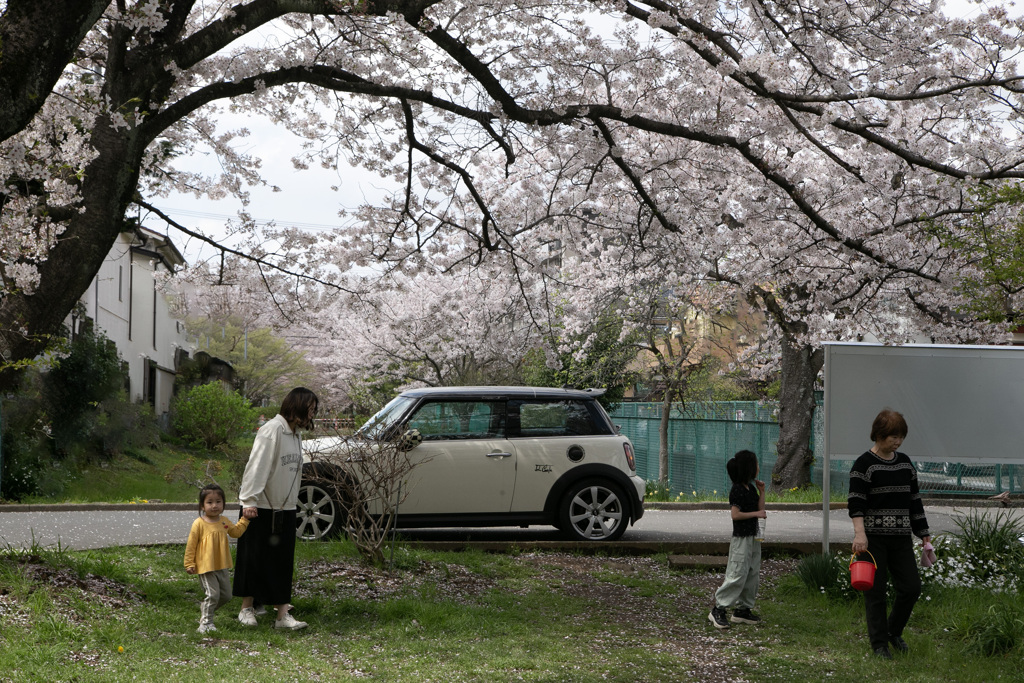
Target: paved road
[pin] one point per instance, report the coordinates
(102, 526)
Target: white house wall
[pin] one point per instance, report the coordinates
(127, 307)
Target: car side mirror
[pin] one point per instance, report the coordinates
(410, 440)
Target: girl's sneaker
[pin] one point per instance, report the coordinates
(743, 615)
(289, 622)
(206, 627)
(718, 618)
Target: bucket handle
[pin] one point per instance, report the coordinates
(853, 558)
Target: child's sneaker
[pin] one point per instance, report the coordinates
(247, 616)
(718, 618)
(206, 627)
(289, 622)
(743, 615)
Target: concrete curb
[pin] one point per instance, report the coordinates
(697, 548)
(837, 505)
(104, 507)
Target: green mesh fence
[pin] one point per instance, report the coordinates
(702, 437)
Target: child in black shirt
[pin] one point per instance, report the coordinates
(746, 501)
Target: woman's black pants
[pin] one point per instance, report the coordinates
(895, 558)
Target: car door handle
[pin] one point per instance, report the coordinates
(499, 455)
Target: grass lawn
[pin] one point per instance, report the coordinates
(125, 614)
(141, 475)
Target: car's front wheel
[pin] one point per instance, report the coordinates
(594, 510)
(320, 515)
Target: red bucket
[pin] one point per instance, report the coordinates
(862, 572)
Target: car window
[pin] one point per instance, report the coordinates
(379, 426)
(556, 418)
(437, 420)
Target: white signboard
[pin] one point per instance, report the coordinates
(961, 403)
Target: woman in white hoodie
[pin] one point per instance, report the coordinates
(270, 487)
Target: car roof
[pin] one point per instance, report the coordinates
(503, 392)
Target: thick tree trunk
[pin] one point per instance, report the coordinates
(37, 40)
(800, 366)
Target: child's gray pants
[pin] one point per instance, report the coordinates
(741, 574)
(217, 585)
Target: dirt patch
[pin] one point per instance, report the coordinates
(452, 581)
(105, 590)
(68, 583)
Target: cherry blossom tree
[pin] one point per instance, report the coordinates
(433, 329)
(795, 151)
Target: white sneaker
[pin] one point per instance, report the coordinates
(206, 627)
(289, 622)
(247, 616)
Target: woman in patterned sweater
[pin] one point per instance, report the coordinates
(886, 509)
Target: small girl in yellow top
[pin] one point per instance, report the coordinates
(207, 552)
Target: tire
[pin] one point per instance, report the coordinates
(319, 513)
(594, 510)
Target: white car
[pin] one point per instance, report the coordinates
(494, 456)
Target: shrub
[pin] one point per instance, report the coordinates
(985, 552)
(22, 463)
(74, 387)
(27, 443)
(208, 415)
(828, 573)
(123, 425)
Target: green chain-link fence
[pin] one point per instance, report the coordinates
(702, 437)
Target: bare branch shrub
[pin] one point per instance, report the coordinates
(368, 482)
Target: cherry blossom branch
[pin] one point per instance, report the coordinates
(617, 158)
(800, 102)
(261, 262)
(467, 179)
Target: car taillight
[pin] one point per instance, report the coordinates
(630, 458)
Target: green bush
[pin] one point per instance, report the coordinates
(22, 464)
(75, 385)
(829, 574)
(209, 416)
(123, 426)
(984, 552)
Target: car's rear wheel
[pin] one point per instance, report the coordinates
(320, 515)
(594, 510)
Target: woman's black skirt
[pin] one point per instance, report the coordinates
(265, 558)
